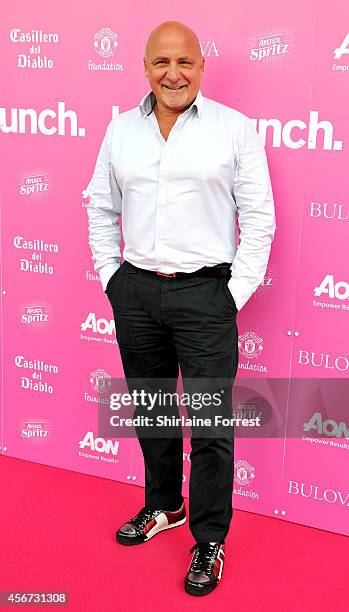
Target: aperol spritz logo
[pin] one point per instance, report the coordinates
(271, 47)
(33, 185)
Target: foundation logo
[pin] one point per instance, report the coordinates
(105, 45)
(243, 476)
(92, 276)
(341, 53)
(33, 186)
(243, 472)
(100, 381)
(269, 48)
(250, 345)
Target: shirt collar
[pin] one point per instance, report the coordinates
(147, 104)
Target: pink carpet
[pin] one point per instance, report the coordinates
(57, 534)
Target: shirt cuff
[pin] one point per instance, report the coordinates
(106, 273)
(241, 292)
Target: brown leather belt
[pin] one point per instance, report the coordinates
(218, 270)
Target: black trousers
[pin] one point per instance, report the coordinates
(162, 324)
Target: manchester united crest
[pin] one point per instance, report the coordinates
(100, 380)
(243, 472)
(250, 345)
(106, 42)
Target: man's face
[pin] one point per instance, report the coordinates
(174, 67)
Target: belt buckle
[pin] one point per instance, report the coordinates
(163, 274)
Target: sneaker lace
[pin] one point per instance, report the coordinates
(143, 517)
(204, 557)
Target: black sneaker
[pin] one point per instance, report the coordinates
(205, 568)
(148, 523)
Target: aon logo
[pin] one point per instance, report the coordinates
(338, 290)
(100, 445)
(99, 326)
(343, 49)
(328, 427)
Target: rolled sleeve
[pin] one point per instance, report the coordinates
(103, 210)
(253, 195)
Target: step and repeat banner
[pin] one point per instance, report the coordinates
(67, 69)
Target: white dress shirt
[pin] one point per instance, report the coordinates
(178, 198)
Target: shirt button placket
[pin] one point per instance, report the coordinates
(161, 206)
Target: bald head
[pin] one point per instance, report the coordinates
(174, 65)
(174, 30)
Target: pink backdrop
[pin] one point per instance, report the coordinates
(275, 62)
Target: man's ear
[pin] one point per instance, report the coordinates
(145, 66)
(202, 64)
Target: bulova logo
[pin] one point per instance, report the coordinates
(321, 360)
(99, 445)
(329, 211)
(329, 496)
(208, 48)
(329, 427)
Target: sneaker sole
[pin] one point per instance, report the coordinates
(197, 591)
(127, 541)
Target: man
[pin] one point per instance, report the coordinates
(178, 168)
